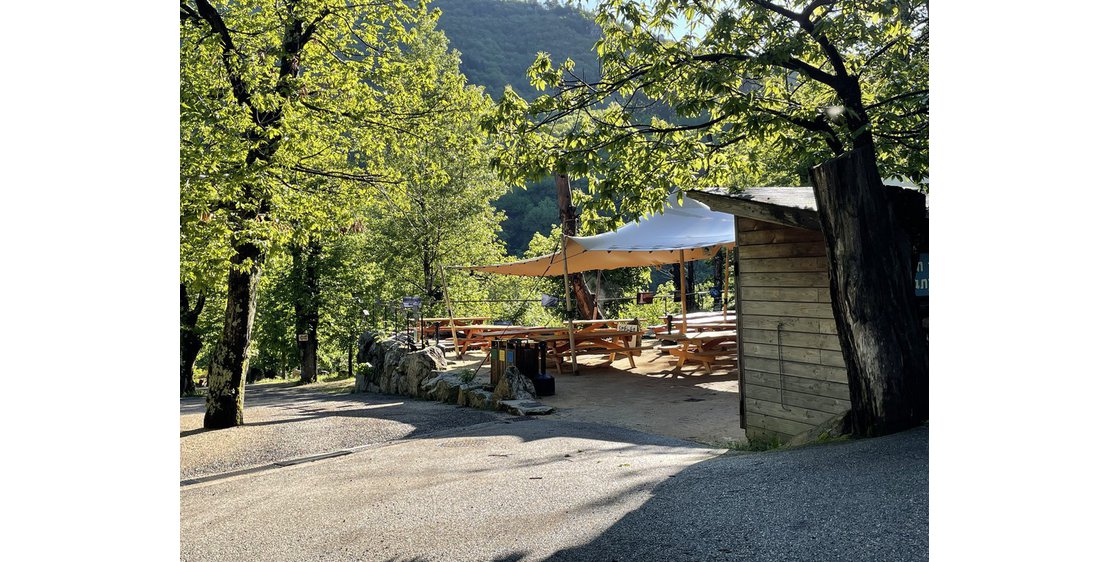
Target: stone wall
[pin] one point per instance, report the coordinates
(387, 366)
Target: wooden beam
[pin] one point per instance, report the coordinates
(739, 324)
(787, 216)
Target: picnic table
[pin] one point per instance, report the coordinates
(612, 337)
(479, 335)
(428, 325)
(709, 348)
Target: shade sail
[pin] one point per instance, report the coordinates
(687, 230)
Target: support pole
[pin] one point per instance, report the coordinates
(450, 314)
(570, 306)
(682, 283)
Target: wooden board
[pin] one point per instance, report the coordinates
(783, 265)
(794, 339)
(787, 294)
(793, 324)
(788, 309)
(796, 354)
(792, 413)
(804, 370)
(831, 389)
(783, 250)
(784, 428)
(779, 234)
(816, 279)
(824, 404)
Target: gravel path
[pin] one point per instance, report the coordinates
(292, 422)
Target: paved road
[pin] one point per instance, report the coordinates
(541, 489)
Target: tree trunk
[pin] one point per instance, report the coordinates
(230, 360)
(306, 305)
(691, 288)
(872, 291)
(567, 217)
(350, 359)
(190, 340)
(719, 278)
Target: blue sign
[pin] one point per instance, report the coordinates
(410, 302)
(921, 276)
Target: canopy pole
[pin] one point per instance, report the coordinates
(570, 307)
(682, 284)
(450, 314)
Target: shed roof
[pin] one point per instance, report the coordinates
(790, 206)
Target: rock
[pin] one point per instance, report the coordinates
(444, 387)
(526, 407)
(418, 366)
(481, 399)
(365, 341)
(514, 386)
(464, 391)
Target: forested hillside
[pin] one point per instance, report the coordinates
(499, 39)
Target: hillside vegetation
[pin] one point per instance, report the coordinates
(499, 39)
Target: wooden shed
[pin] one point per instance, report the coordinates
(791, 369)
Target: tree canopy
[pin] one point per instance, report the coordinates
(764, 91)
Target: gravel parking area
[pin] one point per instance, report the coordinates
(292, 422)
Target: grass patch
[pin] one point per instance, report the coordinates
(753, 445)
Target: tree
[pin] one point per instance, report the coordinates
(286, 112)
(762, 90)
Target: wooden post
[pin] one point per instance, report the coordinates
(682, 284)
(739, 322)
(450, 314)
(570, 307)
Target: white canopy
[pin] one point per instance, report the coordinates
(684, 231)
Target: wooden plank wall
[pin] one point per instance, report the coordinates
(794, 375)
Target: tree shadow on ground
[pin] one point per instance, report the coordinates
(856, 500)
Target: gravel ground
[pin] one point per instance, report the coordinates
(293, 422)
(543, 489)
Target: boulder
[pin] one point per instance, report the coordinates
(514, 386)
(480, 398)
(418, 366)
(526, 407)
(444, 387)
(365, 341)
(464, 391)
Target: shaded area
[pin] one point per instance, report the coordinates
(858, 500)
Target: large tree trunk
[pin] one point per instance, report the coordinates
(190, 340)
(306, 305)
(586, 303)
(872, 291)
(230, 360)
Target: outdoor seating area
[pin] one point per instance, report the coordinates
(706, 342)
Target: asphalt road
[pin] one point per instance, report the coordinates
(542, 489)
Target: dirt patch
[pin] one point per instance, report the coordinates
(652, 397)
